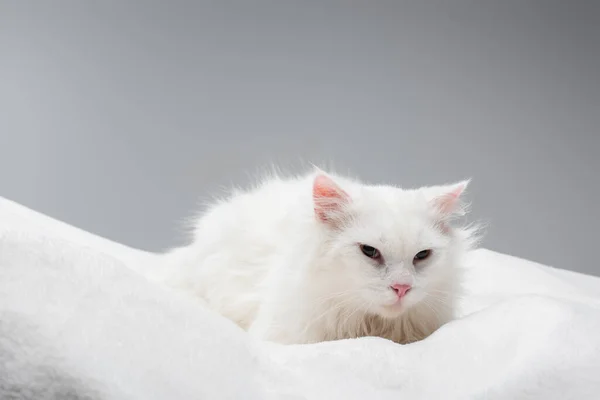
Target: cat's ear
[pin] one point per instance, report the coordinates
(329, 199)
(446, 200)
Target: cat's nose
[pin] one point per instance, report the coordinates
(401, 289)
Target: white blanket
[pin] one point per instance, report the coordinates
(79, 321)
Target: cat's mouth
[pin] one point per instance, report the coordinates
(394, 309)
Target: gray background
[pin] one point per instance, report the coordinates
(118, 116)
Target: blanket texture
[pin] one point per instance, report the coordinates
(79, 320)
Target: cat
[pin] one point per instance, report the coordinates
(320, 257)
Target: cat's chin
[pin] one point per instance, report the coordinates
(392, 311)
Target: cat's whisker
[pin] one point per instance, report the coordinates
(432, 309)
(327, 311)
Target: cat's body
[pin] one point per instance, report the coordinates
(320, 258)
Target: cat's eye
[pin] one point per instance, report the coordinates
(422, 255)
(370, 251)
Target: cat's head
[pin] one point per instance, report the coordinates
(387, 249)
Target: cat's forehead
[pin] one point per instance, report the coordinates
(395, 217)
(391, 199)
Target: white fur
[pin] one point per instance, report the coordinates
(263, 259)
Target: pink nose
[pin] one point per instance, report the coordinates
(401, 290)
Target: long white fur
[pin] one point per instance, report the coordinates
(263, 259)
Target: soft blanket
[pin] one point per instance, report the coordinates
(79, 320)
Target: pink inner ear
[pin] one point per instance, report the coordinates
(446, 203)
(328, 197)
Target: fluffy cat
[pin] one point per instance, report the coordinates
(321, 257)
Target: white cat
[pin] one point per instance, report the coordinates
(322, 257)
